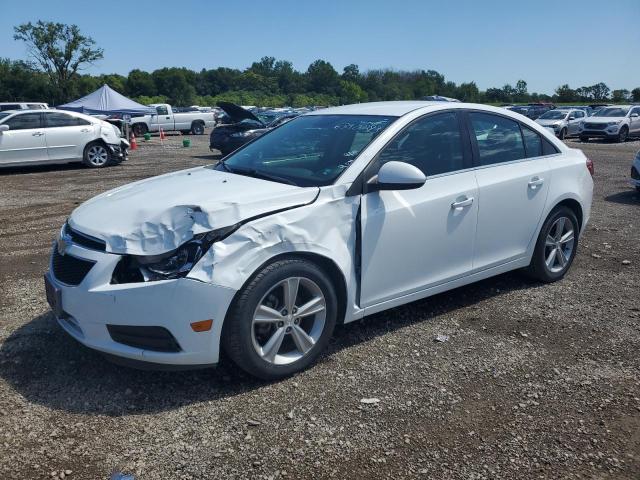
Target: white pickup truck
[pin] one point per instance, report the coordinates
(165, 118)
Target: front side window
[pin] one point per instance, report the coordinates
(554, 115)
(498, 138)
(433, 144)
(25, 121)
(578, 114)
(162, 110)
(63, 120)
(312, 150)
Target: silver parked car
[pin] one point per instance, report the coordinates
(563, 122)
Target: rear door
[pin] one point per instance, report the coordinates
(24, 141)
(634, 122)
(513, 181)
(66, 135)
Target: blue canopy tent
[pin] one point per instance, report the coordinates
(106, 101)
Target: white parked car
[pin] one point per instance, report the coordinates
(30, 137)
(168, 120)
(617, 122)
(635, 172)
(563, 122)
(335, 215)
(23, 106)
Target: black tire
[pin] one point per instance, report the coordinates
(96, 155)
(185, 132)
(584, 139)
(237, 333)
(623, 134)
(139, 129)
(538, 268)
(562, 134)
(197, 128)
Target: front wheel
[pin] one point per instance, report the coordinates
(96, 155)
(562, 134)
(281, 320)
(622, 135)
(556, 246)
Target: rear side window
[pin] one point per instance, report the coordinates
(532, 142)
(63, 120)
(433, 144)
(35, 106)
(25, 121)
(498, 138)
(10, 106)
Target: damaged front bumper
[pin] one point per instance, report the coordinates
(146, 321)
(120, 151)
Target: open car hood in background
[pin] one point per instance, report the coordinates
(237, 113)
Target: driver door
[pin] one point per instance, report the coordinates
(415, 239)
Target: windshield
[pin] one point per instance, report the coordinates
(554, 115)
(613, 112)
(307, 151)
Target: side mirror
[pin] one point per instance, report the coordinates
(634, 115)
(4, 128)
(397, 176)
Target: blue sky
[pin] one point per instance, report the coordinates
(545, 42)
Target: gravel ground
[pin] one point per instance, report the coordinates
(534, 381)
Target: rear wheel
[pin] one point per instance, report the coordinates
(197, 128)
(139, 129)
(96, 155)
(556, 246)
(282, 319)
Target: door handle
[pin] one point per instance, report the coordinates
(37, 134)
(460, 204)
(85, 130)
(535, 182)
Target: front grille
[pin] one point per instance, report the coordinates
(85, 240)
(635, 174)
(595, 126)
(158, 339)
(68, 269)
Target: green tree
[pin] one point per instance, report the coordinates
(322, 77)
(521, 93)
(59, 50)
(351, 73)
(619, 96)
(635, 94)
(140, 83)
(566, 94)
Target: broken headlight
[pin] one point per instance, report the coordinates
(175, 264)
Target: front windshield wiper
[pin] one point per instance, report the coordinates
(252, 172)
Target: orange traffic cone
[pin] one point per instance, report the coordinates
(134, 144)
(162, 135)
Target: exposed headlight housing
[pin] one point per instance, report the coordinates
(612, 124)
(171, 265)
(246, 133)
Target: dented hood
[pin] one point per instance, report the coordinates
(157, 215)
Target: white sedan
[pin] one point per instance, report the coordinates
(333, 216)
(36, 137)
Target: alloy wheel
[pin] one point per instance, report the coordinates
(559, 245)
(97, 155)
(288, 321)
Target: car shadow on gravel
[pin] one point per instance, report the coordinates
(628, 197)
(8, 171)
(47, 367)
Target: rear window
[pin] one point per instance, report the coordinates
(10, 106)
(63, 120)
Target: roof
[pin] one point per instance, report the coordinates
(106, 101)
(396, 108)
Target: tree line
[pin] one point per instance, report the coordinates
(58, 54)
